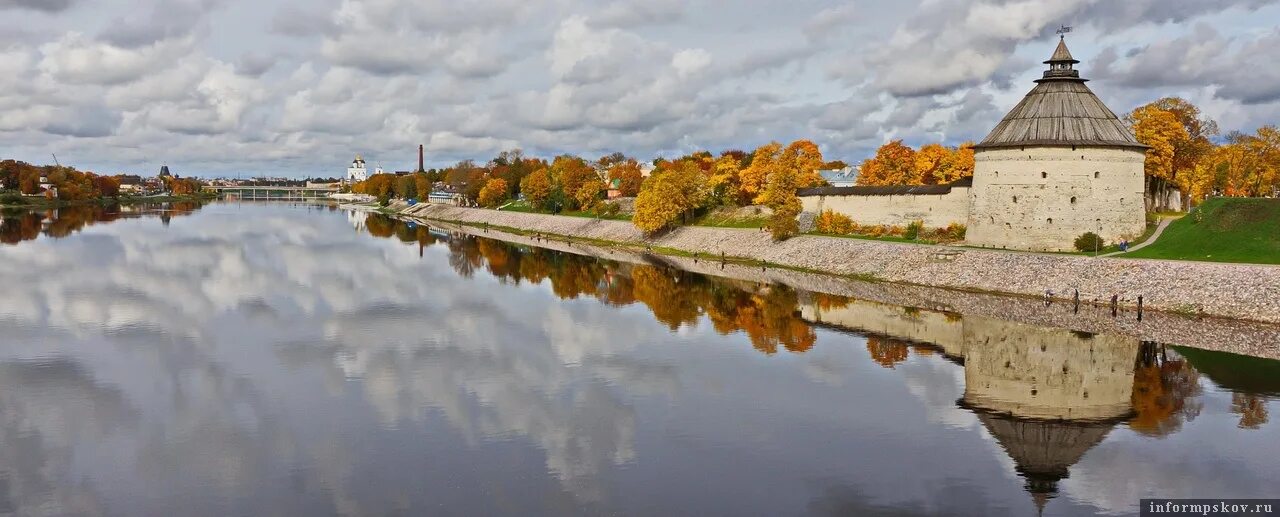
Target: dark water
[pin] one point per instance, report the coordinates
(273, 359)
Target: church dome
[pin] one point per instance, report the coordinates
(1060, 111)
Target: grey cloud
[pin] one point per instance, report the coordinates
(1246, 70)
(632, 14)
(48, 6)
(300, 21)
(90, 122)
(254, 64)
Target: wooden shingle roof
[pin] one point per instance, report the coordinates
(1060, 111)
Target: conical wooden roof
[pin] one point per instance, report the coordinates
(1060, 111)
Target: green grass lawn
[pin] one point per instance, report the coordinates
(1226, 230)
(724, 221)
(521, 206)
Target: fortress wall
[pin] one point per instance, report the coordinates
(931, 327)
(936, 210)
(1043, 198)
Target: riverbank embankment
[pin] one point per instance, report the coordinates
(1210, 333)
(1239, 291)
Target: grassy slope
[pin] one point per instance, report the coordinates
(1230, 230)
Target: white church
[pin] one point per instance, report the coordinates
(1058, 165)
(357, 171)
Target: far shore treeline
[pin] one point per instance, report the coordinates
(72, 185)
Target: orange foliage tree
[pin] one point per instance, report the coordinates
(493, 193)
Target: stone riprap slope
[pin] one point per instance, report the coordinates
(1239, 291)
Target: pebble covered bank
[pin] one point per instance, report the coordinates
(1241, 291)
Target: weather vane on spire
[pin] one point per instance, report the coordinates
(1063, 30)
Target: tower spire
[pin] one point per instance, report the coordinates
(1061, 64)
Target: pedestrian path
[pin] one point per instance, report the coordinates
(1164, 223)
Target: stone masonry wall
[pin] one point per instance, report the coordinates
(1043, 198)
(1249, 292)
(936, 211)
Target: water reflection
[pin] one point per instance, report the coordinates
(17, 225)
(271, 359)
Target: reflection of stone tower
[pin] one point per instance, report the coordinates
(1044, 450)
(1047, 373)
(1047, 395)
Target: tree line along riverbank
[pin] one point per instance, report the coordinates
(1238, 291)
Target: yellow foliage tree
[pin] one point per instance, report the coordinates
(724, 179)
(751, 180)
(536, 188)
(893, 164)
(588, 195)
(780, 195)
(493, 193)
(804, 159)
(669, 195)
(1163, 133)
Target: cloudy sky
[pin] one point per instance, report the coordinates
(293, 87)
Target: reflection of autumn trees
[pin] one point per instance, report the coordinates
(20, 225)
(766, 314)
(1252, 409)
(1165, 391)
(380, 225)
(887, 352)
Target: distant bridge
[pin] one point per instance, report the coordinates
(270, 193)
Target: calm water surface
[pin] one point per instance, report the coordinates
(274, 359)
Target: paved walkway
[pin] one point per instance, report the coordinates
(1164, 223)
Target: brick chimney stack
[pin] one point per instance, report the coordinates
(420, 169)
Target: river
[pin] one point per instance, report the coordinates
(271, 359)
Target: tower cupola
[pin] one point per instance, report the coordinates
(1061, 65)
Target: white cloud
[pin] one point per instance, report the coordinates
(295, 87)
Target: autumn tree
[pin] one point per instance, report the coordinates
(780, 196)
(1162, 133)
(588, 195)
(380, 186)
(893, 164)
(1182, 151)
(752, 179)
(422, 185)
(536, 188)
(723, 181)
(669, 196)
(107, 186)
(569, 173)
(627, 174)
(493, 193)
(804, 160)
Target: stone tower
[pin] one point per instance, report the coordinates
(1058, 165)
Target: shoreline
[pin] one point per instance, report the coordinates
(1209, 333)
(1232, 291)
